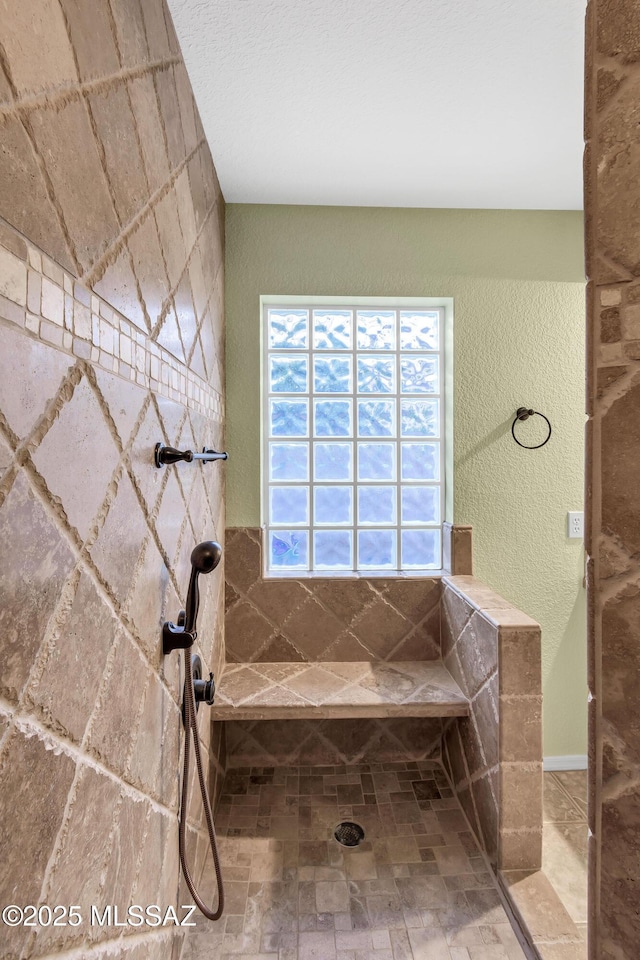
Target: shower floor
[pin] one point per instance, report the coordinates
(416, 888)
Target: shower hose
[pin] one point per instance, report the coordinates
(191, 730)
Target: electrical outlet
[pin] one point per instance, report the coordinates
(575, 525)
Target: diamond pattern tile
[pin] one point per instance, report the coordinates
(77, 458)
(325, 619)
(34, 566)
(124, 402)
(35, 379)
(317, 742)
(125, 234)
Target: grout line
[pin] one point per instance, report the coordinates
(18, 109)
(97, 269)
(57, 97)
(29, 726)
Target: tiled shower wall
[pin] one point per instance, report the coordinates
(612, 205)
(368, 618)
(494, 756)
(111, 327)
(365, 619)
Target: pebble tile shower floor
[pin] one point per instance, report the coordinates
(416, 888)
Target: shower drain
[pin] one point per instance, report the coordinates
(349, 834)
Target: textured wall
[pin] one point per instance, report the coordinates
(111, 190)
(612, 204)
(519, 335)
(494, 756)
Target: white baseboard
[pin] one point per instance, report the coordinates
(574, 761)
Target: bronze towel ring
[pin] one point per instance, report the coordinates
(522, 413)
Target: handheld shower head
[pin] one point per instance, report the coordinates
(205, 557)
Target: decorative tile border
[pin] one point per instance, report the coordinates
(51, 305)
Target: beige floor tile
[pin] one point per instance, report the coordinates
(558, 807)
(410, 891)
(317, 946)
(564, 860)
(429, 944)
(575, 783)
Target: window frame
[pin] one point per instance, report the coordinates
(444, 306)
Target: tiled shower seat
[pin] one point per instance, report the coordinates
(299, 690)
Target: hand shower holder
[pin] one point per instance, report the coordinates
(181, 635)
(174, 635)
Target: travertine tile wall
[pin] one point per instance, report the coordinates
(375, 618)
(612, 207)
(331, 742)
(111, 332)
(494, 756)
(326, 619)
(457, 549)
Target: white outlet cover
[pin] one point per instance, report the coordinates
(575, 525)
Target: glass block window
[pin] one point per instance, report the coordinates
(353, 457)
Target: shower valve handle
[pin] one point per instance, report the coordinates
(204, 690)
(163, 455)
(204, 558)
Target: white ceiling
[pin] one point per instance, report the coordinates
(407, 103)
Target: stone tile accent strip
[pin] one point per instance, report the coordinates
(612, 510)
(316, 619)
(494, 756)
(416, 887)
(274, 691)
(66, 315)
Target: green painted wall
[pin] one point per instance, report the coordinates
(517, 282)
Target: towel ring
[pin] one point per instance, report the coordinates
(522, 413)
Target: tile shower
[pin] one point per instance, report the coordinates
(111, 326)
(328, 694)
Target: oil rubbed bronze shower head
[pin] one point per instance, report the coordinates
(205, 557)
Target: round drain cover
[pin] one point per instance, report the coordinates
(349, 834)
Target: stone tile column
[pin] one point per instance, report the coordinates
(612, 207)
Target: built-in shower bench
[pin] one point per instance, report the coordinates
(298, 690)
